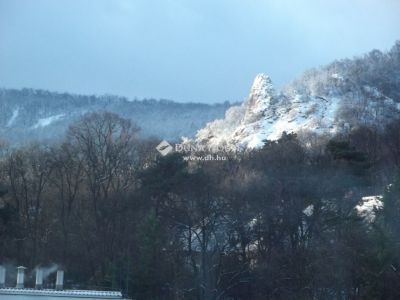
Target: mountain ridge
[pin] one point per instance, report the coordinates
(325, 101)
(28, 115)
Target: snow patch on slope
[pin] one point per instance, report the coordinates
(14, 116)
(43, 122)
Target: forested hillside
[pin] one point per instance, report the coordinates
(274, 223)
(29, 115)
(328, 100)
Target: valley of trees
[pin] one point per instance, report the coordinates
(115, 214)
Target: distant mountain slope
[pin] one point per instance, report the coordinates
(28, 114)
(329, 100)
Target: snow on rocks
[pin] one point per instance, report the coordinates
(266, 114)
(368, 207)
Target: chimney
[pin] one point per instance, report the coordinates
(20, 277)
(60, 280)
(2, 277)
(39, 278)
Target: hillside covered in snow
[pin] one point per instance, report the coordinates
(333, 99)
(27, 115)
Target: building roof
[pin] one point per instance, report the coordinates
(62, 293)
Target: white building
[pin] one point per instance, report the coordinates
(19, 292)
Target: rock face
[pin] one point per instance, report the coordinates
(265, 115)
(260, 99)
(333, 99)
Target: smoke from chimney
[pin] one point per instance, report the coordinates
(49, 270)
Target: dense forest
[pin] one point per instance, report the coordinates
(115, 214)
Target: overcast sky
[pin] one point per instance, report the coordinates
(185, 50)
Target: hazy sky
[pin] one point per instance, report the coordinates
(186, 50)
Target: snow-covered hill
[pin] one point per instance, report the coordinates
(333, 99)
(35, 115)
